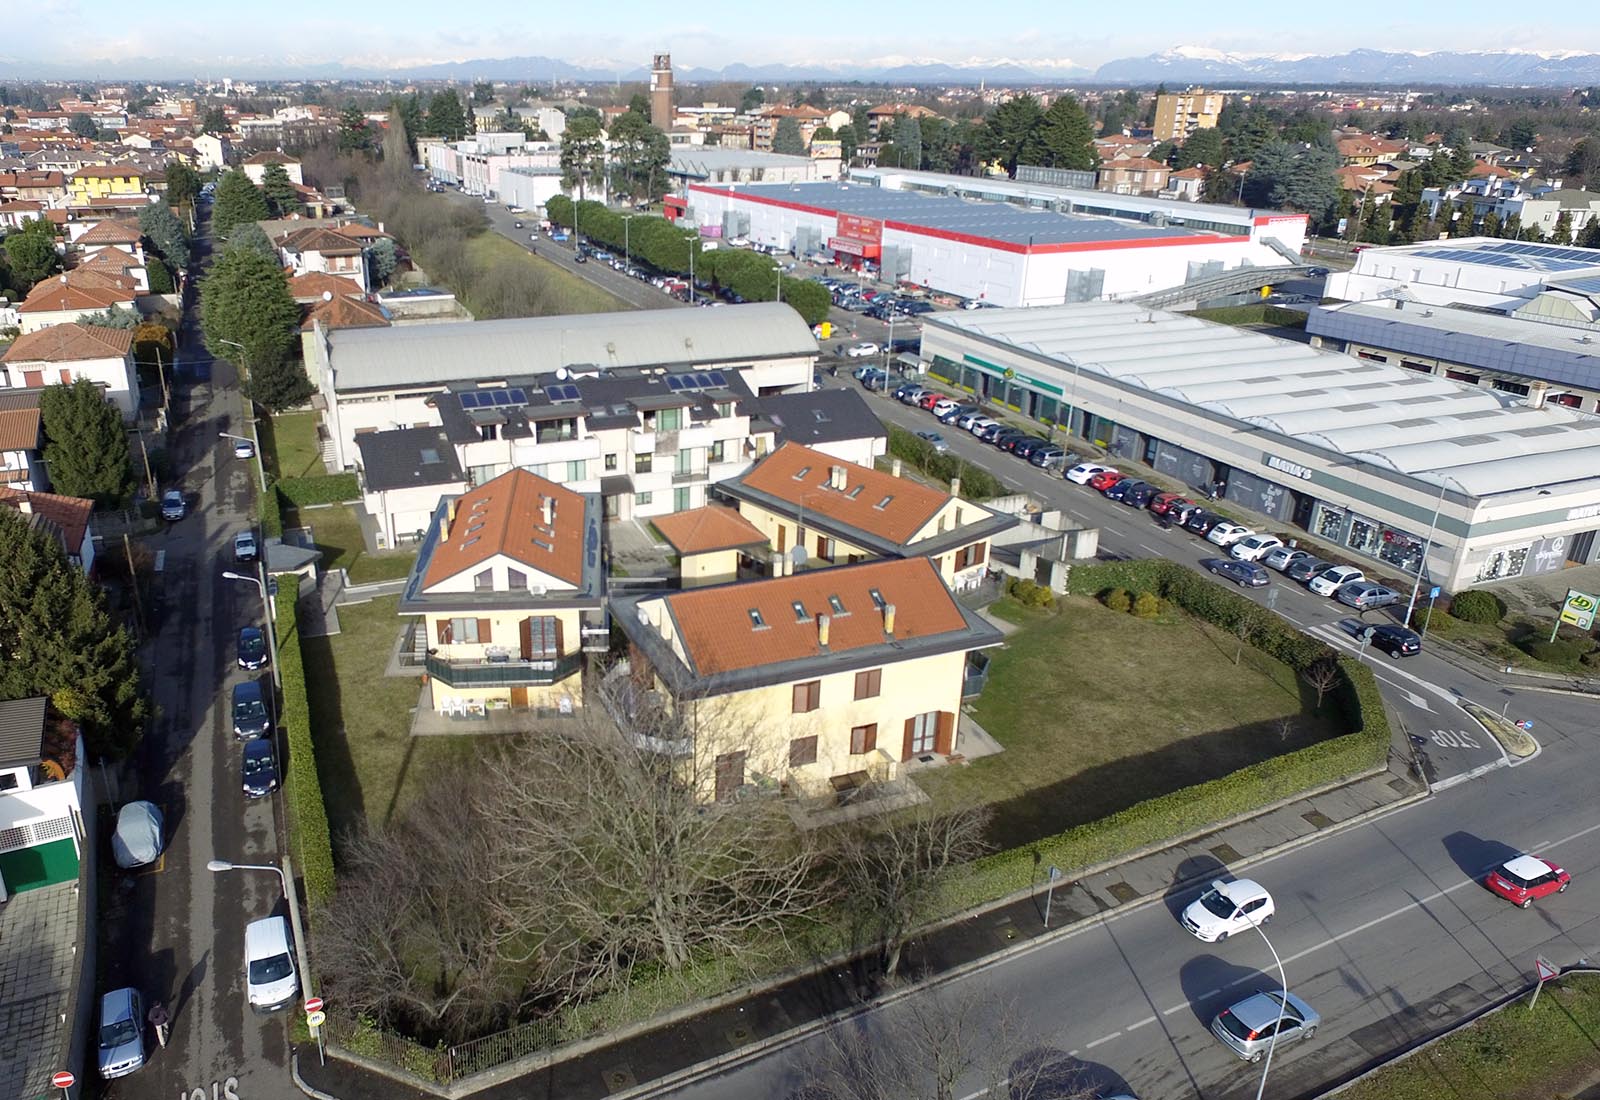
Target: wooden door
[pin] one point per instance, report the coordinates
(519, 697)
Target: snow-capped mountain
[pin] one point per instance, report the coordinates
(1199, 64)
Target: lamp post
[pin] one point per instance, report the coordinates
(627, 254)
(1427, 543)
(778, 271)
(689, 244)
(287, 880)
(1283, 999)
(256, 441)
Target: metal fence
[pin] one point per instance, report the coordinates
(490, 1051)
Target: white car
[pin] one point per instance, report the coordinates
(243, 448)
(1327, 583)
(862, 350)
(1255, 547)
(965, 420)
(1083, 471)
(942, 406)
(270, 980)
(1228, 908)
(980, 423)
(1226, 534)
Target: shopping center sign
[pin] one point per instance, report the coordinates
(1579, 609)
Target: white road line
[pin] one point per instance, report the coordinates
(1141, 1023)
(1105, 1039)
(1174, 1008)
(1151, 549)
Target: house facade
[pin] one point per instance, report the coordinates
(67, 520)
(66, 298)
(21, 440)
(323, 250)
(64, 353)
(42, 763)
(100, 181)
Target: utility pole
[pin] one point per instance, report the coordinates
(133, 581)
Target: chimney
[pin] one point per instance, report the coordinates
(955, 486)
(894, 467)
(450, 517)
(823, 623)
(836, 477)
(888, 619)
(549, 511)
(25, 504)
(1536, 394)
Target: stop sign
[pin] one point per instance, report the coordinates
(313, 1004)
(63, 1079)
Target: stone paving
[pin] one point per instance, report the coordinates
(38, 947)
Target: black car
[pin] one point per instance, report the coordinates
(252, 647)
(1120, 489)
(1245, 574)
(250, 710)
(1200, 521)
(259, 770)
(1027, 445)
(1306, 568)
(1396, 641)
(1138, 496)
(1005, 437)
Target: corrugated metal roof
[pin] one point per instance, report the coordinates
(419, 354)
(21, 731)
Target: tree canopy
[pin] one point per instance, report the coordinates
(786, 137)
(237, 201)
(31, 253)
(355, 134)
(182, 183)
(245, 300)
(252, 236)
(279, 190)
(214, 121)
(1068, 136)
(446, 118)
(583, 152)
(1012, 134)
(639, 156)
(86, 446)
(164, 231)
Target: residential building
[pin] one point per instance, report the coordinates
(255, 166)
(838, 423)
(112, 245)
(1179, 114)
(42, 186)
(765, 127)
(67, 298)
(714, 544)
(839, 513)
(69, 351)
(212, 152)
(404, 473)
(508, 584)
(67, 520)
(99, 181)
(21, 438)
(1364, 150)
(1186, 185)
(1133, 176)
(325, 250)
(16, 213)
(42, 807)
(881, 119)
(813, 683)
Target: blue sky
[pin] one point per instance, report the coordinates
(712, 33)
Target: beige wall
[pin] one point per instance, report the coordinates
(505, 629)
(712, 567)
(770, 523)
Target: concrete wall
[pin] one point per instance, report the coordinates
(712, 567)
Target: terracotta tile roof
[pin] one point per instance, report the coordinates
(317, 239)
(32, 178)
(111, 171)
(112, 231)
(1190, 174)
(359, 232)
(70, 514)
(19, 205)
(506, 516)
(102, 277)
(19, 420)
(311, 286)
(69, 342)
(713, 527)
(719, 634)
(887, 506)
(345, 312)
(112, 260)
(55, 295)
(271, 157)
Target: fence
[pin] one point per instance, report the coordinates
(489, 1051)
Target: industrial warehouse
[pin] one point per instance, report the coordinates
(1387, 463)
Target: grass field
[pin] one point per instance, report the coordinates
(289, 445)
(338, 535)
(367, 759)
(1086, 734)
(564, 291)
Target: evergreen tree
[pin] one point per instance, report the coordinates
(1067, 136)
(847, 142)
(409, 111)
(482, 94)
(252, 236)
(214, 121)
(1491, 225)
(1512, 229)
(583, 152)
(1012, 134)
(1590, 237)
(640, 154)
(160, 278)
(86, 446)
(355, 136)
(381, 259)
(1256, 129)
(237, 201)
(164, 231)
(245, 300)
(279, 191)
(446, 116)
(31, 253)
(1203, 147)
(786, 138)
(639, 105)
(908, 136)
(182, 183)
(1562, 234)
(81, 125)
(113, 316)
(752, 98)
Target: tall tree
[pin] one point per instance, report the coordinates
(847, 142)
(583, 152)
(159, 277)
(245, 300)
(446, 116)
(1011, 135)
(164, 231)
(1203, 147)
(86, 446)
(182, 183)
(908, 136)
(237, 201)
(355, 134)
(31, 253)
(279, 191)
(396, 149)
(1562, 233)
(1590, 237)
(1068, 136)
(408, 110)
(752, 98)
(252, 236)
(639, 157)
(639, 105)
(83, 126)
(1256, 129)
(381, 259)
(214, 121)
(786, 137)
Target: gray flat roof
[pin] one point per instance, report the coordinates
(984, 221)
(406, 355)
(1422, 426)
(698, 160)
(1547, 259)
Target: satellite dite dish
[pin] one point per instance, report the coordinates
(798, 555)
(563, 373)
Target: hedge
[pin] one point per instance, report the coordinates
(272, 513)
(310, 840)
(976, 482)
(327, 489)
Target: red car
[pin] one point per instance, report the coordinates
(929, 399)
(1162, 503)
(1105, 480)
(1526, 878)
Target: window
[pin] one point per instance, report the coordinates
(884, 503)
(669, 420)
(483, 582)
(641, 463)
(837, 604)
(1374, 356)
(643, 498)
(717, 450)
(464, 631)
(807, 696)
(869, 683)
(921, 733)
(756, 621)
(800, 615)
(611, 463)
(578, 471)
(877, 598)
(863, 739)
(802, 751)
(800, 475)
(516, 578)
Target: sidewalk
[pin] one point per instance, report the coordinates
(632, 1064)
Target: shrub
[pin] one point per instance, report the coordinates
(1563, 651)
(976, 482)
(1117, 599)
(272, 513)
(1147, 605)
(310, 839)
(328, 489)
(1478, 606)
(1030, 594)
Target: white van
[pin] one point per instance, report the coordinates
(270, 979)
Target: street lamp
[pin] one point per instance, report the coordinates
(1427, 544)
(256, 441)
(1283, 1000)
(627, 254)
(255, 450)
(220, 865)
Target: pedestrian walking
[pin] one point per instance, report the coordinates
(160, 1021)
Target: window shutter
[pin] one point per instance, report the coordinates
(979, 553)
(911, 731)
(798, 704)
(944, 739)
(559, 650)
(485, 630)
(444, 631)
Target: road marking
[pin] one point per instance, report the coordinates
(1105, 1039)
(1141, 1023)
(1418, 701)
(1151, 549)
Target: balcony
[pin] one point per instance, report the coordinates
(686, 477)
(503, 673)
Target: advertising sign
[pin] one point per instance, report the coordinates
(1579, 609)
(858, 228)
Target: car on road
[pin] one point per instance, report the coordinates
(270, 980)
(252, 647)
(1245, 574)
(1105, 479)
(1364, 595)
(1329, 581)
(245, 550)
(1525, 879)
(1306, 568)
(1253, 1024)
(173, 506)
(1083, 471)
(862, 350)
(1255, 547)
(965, 419)
(121, 1033)
(1396, 641)
(980, 424)
(1052, 456)
(579, 258)
(935, 440)
(1282, 557)
(250, 710)
(516, 225)
(1201, 522)
(942, 406)
(1226, 533)
(1228, 907)
(258, 769)
(243, 448)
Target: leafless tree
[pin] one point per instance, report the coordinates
(889, 871)
(509, 288)
(1245, 628)
(1323, 675)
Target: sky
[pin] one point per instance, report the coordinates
(212, 37)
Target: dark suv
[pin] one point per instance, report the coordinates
(1201, 521)
(1138, 496)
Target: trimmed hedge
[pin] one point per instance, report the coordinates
(1477, 606)
(976, 482)
(328, 489)
(310, 839)
(272, 513)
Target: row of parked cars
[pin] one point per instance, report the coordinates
(1035, 449)
(881, 304)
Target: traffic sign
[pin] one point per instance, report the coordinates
(1433, 593)
(313, 1004)
(1547, 970)
(316, 1019)
(1525, 724)
(63, 1079)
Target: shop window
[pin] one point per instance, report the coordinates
(1493, 567)
(1401, 549)
(1365, 536)
(1515, 560)
(1372, 355)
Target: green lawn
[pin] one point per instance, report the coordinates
(564, 291)
(1512, 1055)
(289, 445)
(367, 760)
(338, 535)
(1099, 710)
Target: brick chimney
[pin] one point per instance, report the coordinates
(824, 623)
(888, 619)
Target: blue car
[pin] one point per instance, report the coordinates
(1245, 574)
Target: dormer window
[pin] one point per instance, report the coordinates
(853, 493)
(756, 621)
(800, 615)
(837, 605)
(877, 598)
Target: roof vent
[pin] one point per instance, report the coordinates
(837, 476)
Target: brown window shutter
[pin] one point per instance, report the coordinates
(944, 738)
(559, 649)
(443, 627)
(485, 630)
(798, 703)
(911, 731)
(526, 630)
(979, 553)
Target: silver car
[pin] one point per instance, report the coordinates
(1248, 1027)
(1364, 595)
(121, 1033)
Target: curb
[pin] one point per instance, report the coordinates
(1453, 654)
(299, 1082)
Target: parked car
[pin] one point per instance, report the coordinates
(173, 506)
(909, 394)
(252, 647)
(1105, 479)
(1255, 547)
(1525, 879)
(965, 419)
(1050, 457)
(121, 1033)
(929, 399)
(245, 550)
(980, 424)
(1228, 907)
(935, 440)
(1083, 471)
(243, 448)
(862, 350)
(1120, 486)
(258, 769)
(1139, 496)
(1245, 574)
(1328, 582)
(942, 406)
(1002, 436)
(1304, 569)
(1200, 521)
(875, 380)
(139, 836)
(270, 980)
(1253, 1024)
(1225, 533)
(1027, 445)
(1364, 595)
(1396, 641)
(1281, 558)
(1163, 503)
(250, 717)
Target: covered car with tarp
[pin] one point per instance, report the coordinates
(139, 837)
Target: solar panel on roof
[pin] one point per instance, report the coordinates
(469, 400)
(718, 378)
(703, 381)
(519, 395)
(674, 383)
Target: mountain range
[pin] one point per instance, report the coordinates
(1181, 65)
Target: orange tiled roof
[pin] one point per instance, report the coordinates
(103, 277)
(70, 514)
(317, 239)
(506, 516)
(713, 527)
(313, 284)
(344, 311)
(69, 342)
(19, 420)
(718, 634)
(112, 171)
(112, 231)
(886, 506)
(54, 295)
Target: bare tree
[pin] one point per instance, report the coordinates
(1323, 676)
(889, 871)
(1245, 628)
